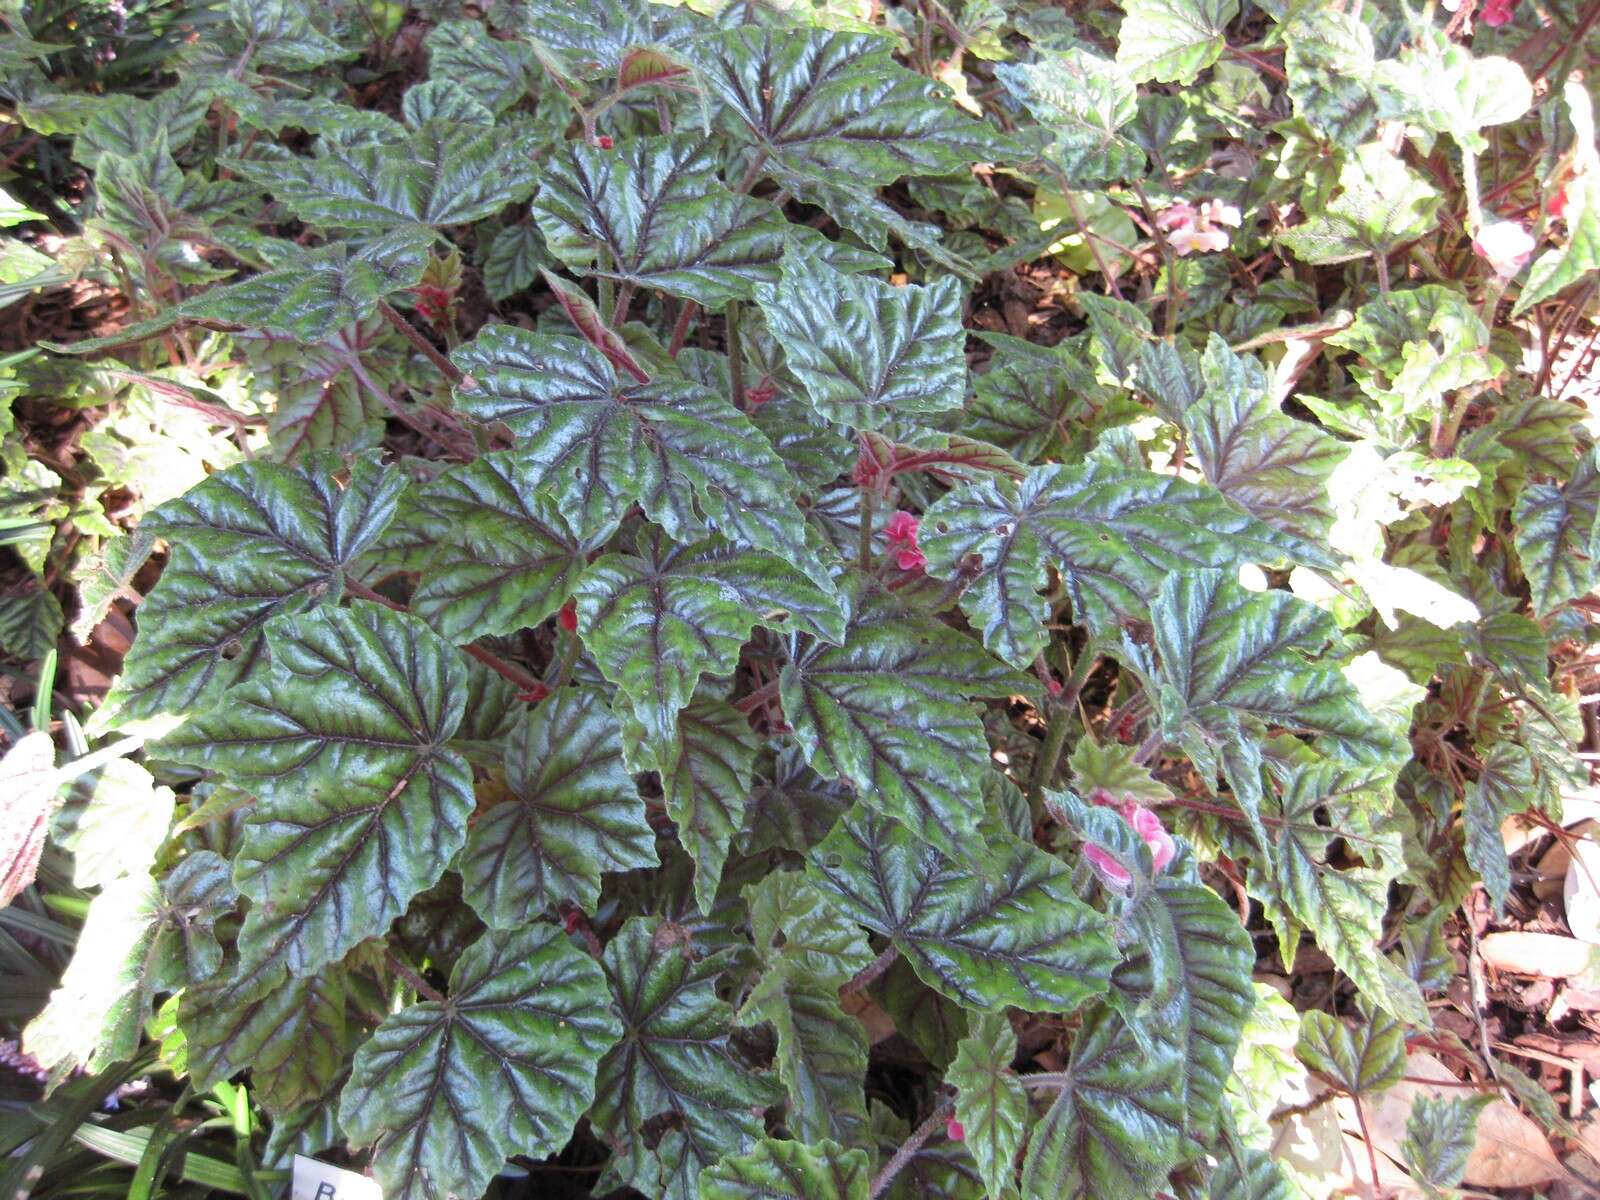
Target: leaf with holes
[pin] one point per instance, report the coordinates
(361, 804)
(1115, 536)
(249, 543)
(1344, 908)
(999, 925)
(674, 1060)
(887, 710)
(505, 1065)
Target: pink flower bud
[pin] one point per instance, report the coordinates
(954, 1130)
(1108, 868)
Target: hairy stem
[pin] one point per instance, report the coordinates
(868, 974)
(864, 542)
(418, 339)
(412, 976)
(735, 357)
(1049, 756)
(912, 1144)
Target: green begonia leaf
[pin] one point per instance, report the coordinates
(494, 70)
(1504, 788)
(674, 1060)
(1360, 1058)
(1253, 1175)
(991, 1103)
(446, 174)
(141, 937)
(361, 805)
(572, 813)
(1172, 40)
(1115, 1128)
(867, 352)
(690, 458)
(885, 710)
(1556, 536)
(1381, 203)
(706, 769)
(1230, 655)
(1082, 100)
(324, 290)
(837, 105)
(248, 543)
(291, 1035)
(788, 1170)
(498, 554)
(1558, 268)
(1114, 535)
(655, 213)
(659, 620)
(504, 1065)
(1000, 927)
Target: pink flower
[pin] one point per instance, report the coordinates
(902, 534)
(1189, 228)
(902, 527)
(1558, 205)
(955, 1131)
(1148, 826)
(1506, 245)
(1497, 12)
(1180, 214)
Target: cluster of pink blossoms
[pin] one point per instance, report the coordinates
(902, 534)
(1190, 228)
(1147, 825)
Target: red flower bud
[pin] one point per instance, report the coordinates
(604, 141)
(954, 1130)
(572, 919)
(569, 616)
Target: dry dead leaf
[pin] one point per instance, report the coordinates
(1547, 955)
(1511, 1151)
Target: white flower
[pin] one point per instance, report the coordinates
(1189, 228)
(1215, 212)
(1506, 245)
